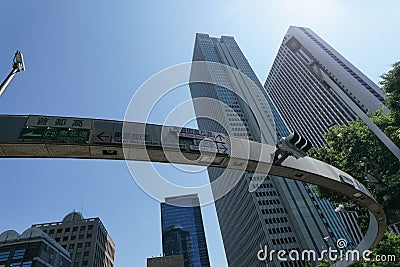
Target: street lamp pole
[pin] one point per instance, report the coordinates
(18, 65)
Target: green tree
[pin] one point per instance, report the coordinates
(354, 149)
(391, 85)
(387, 254)
(324, 263)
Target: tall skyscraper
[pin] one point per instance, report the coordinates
(87, 240)
(280, 213)
(183, 230)
(303, 82)
(32, 248)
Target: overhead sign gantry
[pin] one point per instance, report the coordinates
(35, 136)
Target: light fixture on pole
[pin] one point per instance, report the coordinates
(18, 65)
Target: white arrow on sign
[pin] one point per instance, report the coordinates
(31, 134)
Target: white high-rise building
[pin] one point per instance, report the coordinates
(303, 83)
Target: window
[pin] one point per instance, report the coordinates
(90, 227)
(71, 246)
(73, 237)
(87, 245)
(80, 236)
(89, 236)
(83, 227)
(51, 232)
(74, 230)
(19, 254)
(58, 239)
(67, 230)
(86, 254)
(79, 245)
(65, 238)
(59, 231)
(4, 256)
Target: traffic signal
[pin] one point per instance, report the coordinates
(296, 140)
(295, 145)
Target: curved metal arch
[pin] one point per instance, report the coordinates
(248, 156)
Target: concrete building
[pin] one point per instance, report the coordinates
(87, 240)
(32, 248)
(279, 213)
(183, 230)
(302, 83)
(166, 261)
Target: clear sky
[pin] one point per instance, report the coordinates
(87, 58)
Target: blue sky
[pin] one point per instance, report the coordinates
(87, 58)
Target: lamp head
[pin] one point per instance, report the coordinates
(341, 208)
(18, 62)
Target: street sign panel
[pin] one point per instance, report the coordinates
(199, 134)
(55, 134)
(58, 122)
(120, 137)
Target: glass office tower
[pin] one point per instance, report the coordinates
(280, 214)
(183, 230)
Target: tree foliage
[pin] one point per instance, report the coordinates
(391, 85)
(386, 254)
(355, 149)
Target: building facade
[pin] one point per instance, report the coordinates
(183, 230)
(280, 213)
(87, 240)
(303, 83)
(33, 248)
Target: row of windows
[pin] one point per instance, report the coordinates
(273, 211)
(21, 264)
(279, 230)
(73, 237)
(291, 264)
(264, 185)
(268, 193)
(269, 201)
(79, 254)
(79, 245)
(84, 263)
(276, 220)
(18, 254)
(284, 240)
(68, 229)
